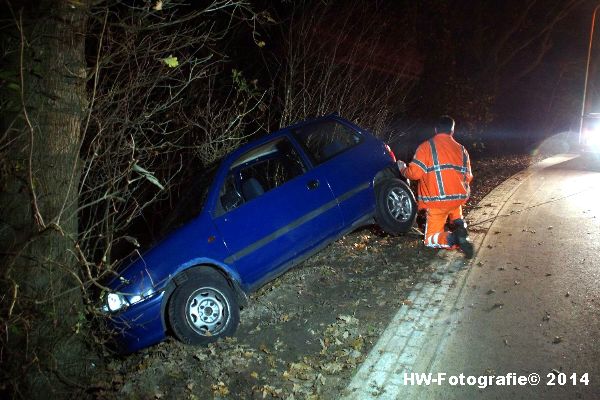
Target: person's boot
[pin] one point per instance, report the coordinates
(462, 238)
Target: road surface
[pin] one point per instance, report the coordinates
(527, 305)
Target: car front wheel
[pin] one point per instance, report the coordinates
(203, 308)
(395, 208)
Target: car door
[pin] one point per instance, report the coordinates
(272, 210)
(344, 159)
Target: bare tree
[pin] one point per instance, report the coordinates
(95, 151)
(164, 108)
(332, 64)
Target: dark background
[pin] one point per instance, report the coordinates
(448, 45)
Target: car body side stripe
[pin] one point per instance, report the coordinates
(294, 224)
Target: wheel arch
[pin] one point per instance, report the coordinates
(389, 172)
(185, 274)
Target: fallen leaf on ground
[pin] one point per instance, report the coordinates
(284, 318)
(557, 339)
(332, 367)
(301, 370)
(546, 317)
(220, 389)
(268, 390)
(357, 344)
(347, 319)
(264, 349)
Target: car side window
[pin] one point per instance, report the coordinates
(259, 171)
(326, 139)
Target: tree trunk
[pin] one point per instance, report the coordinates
(42, 306)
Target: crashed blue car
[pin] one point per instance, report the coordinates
(271, 204)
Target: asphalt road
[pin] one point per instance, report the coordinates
(528, 303)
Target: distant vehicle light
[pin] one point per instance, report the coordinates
(591, 139)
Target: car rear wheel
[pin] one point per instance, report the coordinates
(203, 308)
(395, 208)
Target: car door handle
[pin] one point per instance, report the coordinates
(311, 185)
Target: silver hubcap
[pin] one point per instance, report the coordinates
(207, 311)
(399, 204)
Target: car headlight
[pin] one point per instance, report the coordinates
(115, 302)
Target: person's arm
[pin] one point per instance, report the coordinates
(416, 168)
(469, 172)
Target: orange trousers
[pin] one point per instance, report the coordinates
(435, 234)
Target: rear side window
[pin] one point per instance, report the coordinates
(259, 171)
(326, 139)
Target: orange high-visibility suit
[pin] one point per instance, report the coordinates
(443, 169)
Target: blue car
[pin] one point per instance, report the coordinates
(271, 204)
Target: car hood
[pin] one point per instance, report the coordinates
(150, 271)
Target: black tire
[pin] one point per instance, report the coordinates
(395, 206)
(203, 308)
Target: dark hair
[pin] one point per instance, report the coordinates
(444, 124)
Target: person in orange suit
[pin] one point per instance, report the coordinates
(442, 168)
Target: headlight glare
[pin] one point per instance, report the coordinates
(135, 299)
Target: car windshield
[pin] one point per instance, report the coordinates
(192, 201)
(324, 140)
